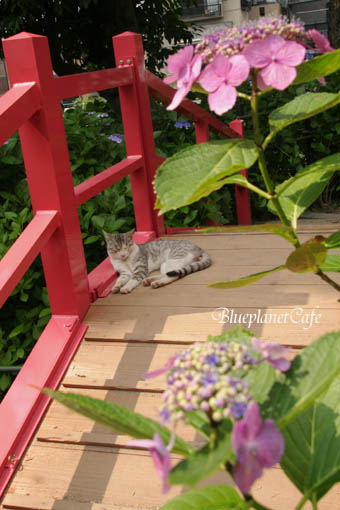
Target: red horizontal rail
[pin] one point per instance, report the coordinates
(91, 187)
(25, 249)
(164, 93)
(23, 406)
(85, 83)
(17, 105)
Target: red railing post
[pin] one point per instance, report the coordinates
(49, 177)
(202, 131)
(241, 194)
(137, 121)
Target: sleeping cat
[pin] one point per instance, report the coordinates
(134, 262)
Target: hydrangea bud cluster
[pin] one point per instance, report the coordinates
(208, 377)
(232, 41)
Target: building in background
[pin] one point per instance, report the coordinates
(213, 15)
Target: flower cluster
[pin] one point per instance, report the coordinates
(208, 377)
(268, 51)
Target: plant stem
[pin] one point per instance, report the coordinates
(262, 161)
(328, 280)
(255, 504)
(302, 502)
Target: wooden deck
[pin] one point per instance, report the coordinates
(74, 464)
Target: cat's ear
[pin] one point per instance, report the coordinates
(131, 232)
(107, 235)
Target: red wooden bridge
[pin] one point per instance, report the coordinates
(70, 462)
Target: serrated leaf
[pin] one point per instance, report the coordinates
(302, 107)
(214, 497)
(205, 461)
(198, 170)
(318, 67)
(331, 264)
(272, 228)
(311, 373)
(261, 379)
(118, 418)
(333, 241)
(245, 280)
(306, 258)
(312, 445)
(299, 192)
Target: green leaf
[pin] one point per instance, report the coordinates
(306, 258)
(118, 418)
(261, 379)
(214, 497)
(333, 241)
(91, 239)
(273, 228)
(312, 445)
(198, 170)
(311, 373)
(237, 334)
(245, 280)
(318, 67)
(16, 331)
(205, 461)
(302, 107)
(200, 421)
(331, 264)
(299, 192)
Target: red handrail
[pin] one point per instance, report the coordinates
(32, 105)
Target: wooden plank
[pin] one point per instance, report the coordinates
(119, 366)
(63, 425)
(32, 502)
(285, 296)
(188, 324)
(125, 478)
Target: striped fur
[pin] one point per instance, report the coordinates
(134, 263)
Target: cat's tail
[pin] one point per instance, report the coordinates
(203, 261)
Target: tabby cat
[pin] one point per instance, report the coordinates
(134, 262)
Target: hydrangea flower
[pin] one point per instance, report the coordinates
(207, 377)
(257, 444)
(118, 138)
(160, 455)
(277, 60)
(182, 124)
(220, 79)
(273, 353)
(321, 42)
(185, 69)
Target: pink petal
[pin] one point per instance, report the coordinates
(239, 70)
(291, 53)
(142, 443)
(171, 79)
(245, 473)
(270, 444)
(221, 65)
(223, 99)
(257, 54)
(320, 41)
(180, 59)
(253, 420)
(239, 436)
(168, 366)
(278, 76)
(209, 80)
(196, 66)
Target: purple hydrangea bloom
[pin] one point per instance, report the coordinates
(182, 124)
(273, 353)
(160, 455)
(118, 138)
(257, 444)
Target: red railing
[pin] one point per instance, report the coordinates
(32, 105)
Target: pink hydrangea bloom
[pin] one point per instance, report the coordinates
(185, 69)
(277, 60)
(160, 455)
(273, 353)
(220, 79)
(321, 42)
(257, 444)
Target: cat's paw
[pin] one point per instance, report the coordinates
(157, 284)
(125, 290)
(115, 290)
(147, 282)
